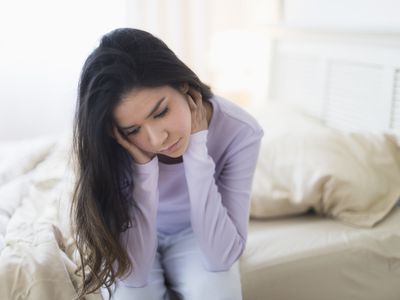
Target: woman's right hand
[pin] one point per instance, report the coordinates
(138, 155)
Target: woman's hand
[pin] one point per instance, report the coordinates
(138, 155)
(198, 109)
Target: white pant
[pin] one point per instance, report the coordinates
(178, 272)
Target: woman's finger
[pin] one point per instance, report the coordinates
(192, 104)
(120, 139)
(196, 96)
(116, 133)
(136, 153)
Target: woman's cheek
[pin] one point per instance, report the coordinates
(131, 139)
(137, 142)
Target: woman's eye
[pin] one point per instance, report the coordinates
(161, 114)
(134, 131)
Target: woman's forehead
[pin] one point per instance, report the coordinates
(145, 94)
(139, 103)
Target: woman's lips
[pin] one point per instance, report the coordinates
(171, 148)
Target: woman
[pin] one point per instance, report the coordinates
(164, 175)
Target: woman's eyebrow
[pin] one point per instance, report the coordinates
(155, 108)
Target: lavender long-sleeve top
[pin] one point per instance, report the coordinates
(209, 190)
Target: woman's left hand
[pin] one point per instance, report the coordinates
(199, 111)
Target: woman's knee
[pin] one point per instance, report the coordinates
(214, 285)
(155, 289)
(151, 291)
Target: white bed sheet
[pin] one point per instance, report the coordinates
(310, 257)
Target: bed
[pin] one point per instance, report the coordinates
(324, 223)
(309, 257)
(324, 219)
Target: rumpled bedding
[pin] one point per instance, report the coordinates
(37, 254)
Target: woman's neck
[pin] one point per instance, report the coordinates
(209, 109)
(169, 160)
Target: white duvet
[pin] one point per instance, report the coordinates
(36, 256)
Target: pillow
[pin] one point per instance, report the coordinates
(351, 176)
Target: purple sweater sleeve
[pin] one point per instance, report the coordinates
(220, 208)
(140, 240)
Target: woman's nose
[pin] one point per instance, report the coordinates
(156, 137)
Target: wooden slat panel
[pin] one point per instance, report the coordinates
(347, 85)
(353, 94)
(297, 81)
(395, 121)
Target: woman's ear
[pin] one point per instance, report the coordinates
(184, 88)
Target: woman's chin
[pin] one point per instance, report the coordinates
(177, 149)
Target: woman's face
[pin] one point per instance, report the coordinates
(154, 119)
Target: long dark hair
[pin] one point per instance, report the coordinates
(125, 59)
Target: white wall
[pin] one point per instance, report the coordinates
(43, 45)
(350, 15)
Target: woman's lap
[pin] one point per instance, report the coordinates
(178, 266)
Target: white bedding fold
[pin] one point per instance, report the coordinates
(36, 261)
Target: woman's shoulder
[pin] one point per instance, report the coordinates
(230, 116)
(232, 129)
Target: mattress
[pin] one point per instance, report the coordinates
(310, 257)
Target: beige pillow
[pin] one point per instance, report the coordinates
(354, 177)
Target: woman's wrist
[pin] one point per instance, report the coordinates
(145, 168)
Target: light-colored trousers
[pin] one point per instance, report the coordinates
(178, 273)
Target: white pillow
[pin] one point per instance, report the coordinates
(354, 177)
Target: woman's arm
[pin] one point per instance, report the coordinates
(220, 210)
(140, 240)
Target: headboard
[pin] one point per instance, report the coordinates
(349, 80)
